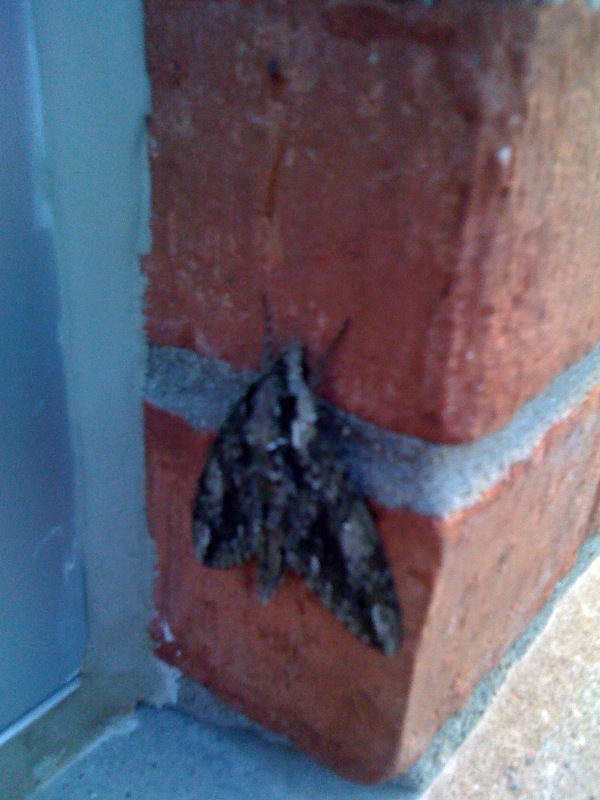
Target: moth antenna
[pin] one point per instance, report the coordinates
(269, 352)
(317, 371)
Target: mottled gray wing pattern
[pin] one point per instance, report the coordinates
(276, 487)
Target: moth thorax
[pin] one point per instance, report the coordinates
(303, 429)
(303, 424)
(262, 424)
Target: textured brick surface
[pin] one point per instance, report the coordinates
(468, 584)
(429, 173)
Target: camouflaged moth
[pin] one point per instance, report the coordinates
(275, 486)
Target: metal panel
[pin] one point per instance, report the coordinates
(42, 624)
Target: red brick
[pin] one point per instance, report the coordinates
(431, 174)
(468, 583)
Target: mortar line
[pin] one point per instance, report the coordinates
(394, 469)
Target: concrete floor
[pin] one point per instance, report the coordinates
(539, 739)
(168, 755)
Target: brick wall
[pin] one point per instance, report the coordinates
(431, 175)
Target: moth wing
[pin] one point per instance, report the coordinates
(336, 549)
(227, 501)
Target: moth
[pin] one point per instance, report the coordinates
(275, 487)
